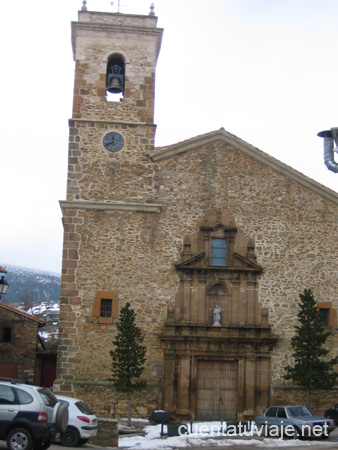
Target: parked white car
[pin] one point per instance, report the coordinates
(82, 423)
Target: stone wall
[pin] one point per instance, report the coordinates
(128, 213)
(107, 433)
(105, 401)
(20, 352)
(293, 395)
(133, 253)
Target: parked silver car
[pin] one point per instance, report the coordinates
(30, 416)
(293, 421)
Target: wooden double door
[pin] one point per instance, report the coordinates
(216, 390)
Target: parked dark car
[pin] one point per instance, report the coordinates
(293, 421)
(30, 416)
(332, 413)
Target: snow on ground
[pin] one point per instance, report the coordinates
(208, 434)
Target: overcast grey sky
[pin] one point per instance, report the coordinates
(265, 70)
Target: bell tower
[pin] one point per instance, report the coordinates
(113, 107)
(115, 54)
(110, 183)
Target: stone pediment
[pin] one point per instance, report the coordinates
(222, 136)
(218, 228)
(247, 263)
(192, 261)
(198, 261)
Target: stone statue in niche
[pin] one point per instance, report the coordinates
(217, 316)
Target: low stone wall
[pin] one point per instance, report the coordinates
(106, 402)
(107, 433)
(292, 395)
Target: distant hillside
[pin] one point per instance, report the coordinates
(30, 286)
(49, 312)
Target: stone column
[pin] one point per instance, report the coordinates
(184, 385)
(250, 376)
(169, 377)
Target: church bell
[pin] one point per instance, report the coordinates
(114, 86)
(115, 79)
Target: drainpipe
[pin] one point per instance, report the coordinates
(330, 136)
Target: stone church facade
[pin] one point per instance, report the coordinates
(181, 232)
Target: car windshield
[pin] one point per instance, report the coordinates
(296, 411)
(84, 408)
(48, 397)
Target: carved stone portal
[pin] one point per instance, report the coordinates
(218, 330)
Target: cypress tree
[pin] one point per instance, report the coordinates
(128, 356)
(312, 369)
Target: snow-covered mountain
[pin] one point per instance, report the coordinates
(36, 292)
(30, 286)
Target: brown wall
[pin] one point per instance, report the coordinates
(20, 353)
(133, 253)
(126, 219)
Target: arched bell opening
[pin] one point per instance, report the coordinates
(115, 78)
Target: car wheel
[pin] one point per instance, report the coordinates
(70, 438)
(61, 418)
(295, 433)
(19, 439)
(42, 445)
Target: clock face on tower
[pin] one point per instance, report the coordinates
(113, 142)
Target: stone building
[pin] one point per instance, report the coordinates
(19, 344)
(210, 240)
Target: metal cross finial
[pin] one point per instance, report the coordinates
(84, 5)
(118, 5)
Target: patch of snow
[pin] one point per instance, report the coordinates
(153, 439)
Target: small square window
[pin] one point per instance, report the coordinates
(106, 307)
(218, 252)
(324, 316)
(5, 334)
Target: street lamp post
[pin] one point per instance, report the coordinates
(3, 286)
